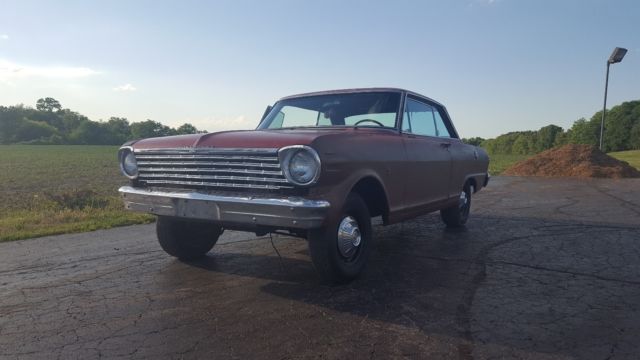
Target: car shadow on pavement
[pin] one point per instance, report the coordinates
(502, 280)
(268, 267)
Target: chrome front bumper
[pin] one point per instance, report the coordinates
(250, 211)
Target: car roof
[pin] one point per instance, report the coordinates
(360, 90)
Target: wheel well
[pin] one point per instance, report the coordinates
(472, 182)
(373, 194)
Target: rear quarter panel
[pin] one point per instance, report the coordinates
(468, 161)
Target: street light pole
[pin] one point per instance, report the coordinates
(604, 107)
(616, 56)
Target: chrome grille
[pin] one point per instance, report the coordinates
(211, 168)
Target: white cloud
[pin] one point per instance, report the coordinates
(4, 37)
(10, 70)
(125, 87)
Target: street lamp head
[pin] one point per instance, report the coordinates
(617, 55)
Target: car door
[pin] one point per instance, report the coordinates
(461, 154)
(428, 157)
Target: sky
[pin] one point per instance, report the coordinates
(497, 65)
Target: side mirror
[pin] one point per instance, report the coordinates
(266, 112)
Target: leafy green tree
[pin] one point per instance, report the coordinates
(585, 132)
(150, 128)
(546, 137)
(88, 133)
(187, 128)
(9, 121)
(48, 104)
(522, 145)
(29, 130)
(634, 136)
(562, 138)
(473, 141)
(119, 130)
(619, 122)
(70, 120)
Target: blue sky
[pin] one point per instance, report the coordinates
(498, 65)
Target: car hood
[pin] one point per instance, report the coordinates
(244, 138)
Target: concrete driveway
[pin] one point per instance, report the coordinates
(545, 269)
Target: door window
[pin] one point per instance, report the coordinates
(441, 128)
(418, 119)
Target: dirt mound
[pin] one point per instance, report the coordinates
(573, 160)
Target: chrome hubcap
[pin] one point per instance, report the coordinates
(463, 200)
(349, 237)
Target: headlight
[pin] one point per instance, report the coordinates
(301, 164)
(128, 164)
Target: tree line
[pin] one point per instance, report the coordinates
(50, 123)
(622, 132)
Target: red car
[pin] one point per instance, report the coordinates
(318, 166)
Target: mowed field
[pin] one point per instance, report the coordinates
(500, 162)
(631, 156)
(47, 190)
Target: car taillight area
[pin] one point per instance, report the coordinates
(211, 168)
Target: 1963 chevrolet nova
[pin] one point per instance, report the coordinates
(319, 166)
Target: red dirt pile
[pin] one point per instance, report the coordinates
(573, 160)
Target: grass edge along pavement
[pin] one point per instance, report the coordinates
(59, 189)
(27, 225)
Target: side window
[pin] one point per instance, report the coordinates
(418, 118)
(441, 128)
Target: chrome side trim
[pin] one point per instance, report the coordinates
(204, 150)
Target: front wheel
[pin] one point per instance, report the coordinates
(457, 216)
(186, 240)
(340, 251)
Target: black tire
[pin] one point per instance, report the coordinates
(457, 216)
(342, 262)
(184, 239)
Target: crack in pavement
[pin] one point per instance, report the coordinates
(560, 271)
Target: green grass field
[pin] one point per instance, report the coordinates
(631, 156)
(500, 162)
(46, 190)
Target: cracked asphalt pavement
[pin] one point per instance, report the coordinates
(545, 269)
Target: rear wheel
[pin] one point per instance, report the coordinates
(340, 251)
(457, 216)
(186, 240)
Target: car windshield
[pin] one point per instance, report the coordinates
(376, 109)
